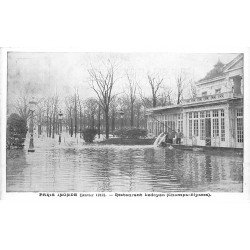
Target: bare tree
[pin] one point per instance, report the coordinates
(146, 101)
(155, 83)
(21, 104)
(54, 110)
(181, 83)
(131, 94)
(102, 82)
(51, 106)
(76, 98)
(40, 111)
(99, 121)
(48, 107)
(193, 90)
(139, 116)
(113, 107)
(22, 107)
(91, 105)
(81, 114)
(165, 97)
(69, 104)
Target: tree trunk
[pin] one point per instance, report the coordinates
(71, 127)
(47, 125)
(107, 123)
(154, 101)
(53, 127)
(132, 116)
(92, 120)
(39, 129)
(84, 121)
(50, 126)
(80, 123)
(178, 100)
(75, 116)
(113, 121)
(39, 125)
(99, 122)
(57, 126)
(138, 118)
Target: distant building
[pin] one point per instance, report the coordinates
(214, 117)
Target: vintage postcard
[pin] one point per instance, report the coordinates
(124, 122)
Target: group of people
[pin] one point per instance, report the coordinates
(171, 135)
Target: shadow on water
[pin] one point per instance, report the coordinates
(124, 169)
(208, 168)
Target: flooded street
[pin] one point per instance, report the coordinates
(78, 167)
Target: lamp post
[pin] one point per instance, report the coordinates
(32, 104)
(60, 125)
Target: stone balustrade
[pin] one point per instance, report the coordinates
(218, 96)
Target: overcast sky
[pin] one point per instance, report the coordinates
(61, 72)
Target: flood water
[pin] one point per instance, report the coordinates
(79, 167)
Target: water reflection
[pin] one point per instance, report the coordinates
(122, 169)
(208, 168)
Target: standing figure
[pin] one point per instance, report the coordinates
(178, 137)
(171, 136)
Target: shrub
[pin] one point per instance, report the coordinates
(132, 133)
(89, 134)
(16, 131)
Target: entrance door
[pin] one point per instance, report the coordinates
(208, 131)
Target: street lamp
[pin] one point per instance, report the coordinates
(60, 125)
(32, 105)
(121, 112)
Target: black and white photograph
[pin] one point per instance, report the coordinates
(124, 125)
(124, 122)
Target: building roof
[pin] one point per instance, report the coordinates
(220, 69)
(162, 108)
(233, 62)
(215, 72)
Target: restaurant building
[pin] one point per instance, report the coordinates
(214, 117)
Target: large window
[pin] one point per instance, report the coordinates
(180, 126)
(190, 129)
(215, 113)
(215, 127)
(180, 122)
(202, 128)
(173, 125)
(239, 123)
(239, 112)
(170, 122)
(168, 125)
(196, 123)
(190, 123)
(222, 129)
(222, 125)
(196, 127)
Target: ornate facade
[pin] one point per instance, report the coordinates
(214, 117)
